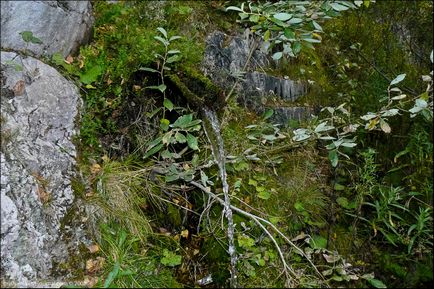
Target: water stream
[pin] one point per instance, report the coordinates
(212, 131)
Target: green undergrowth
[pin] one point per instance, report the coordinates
(143, 145)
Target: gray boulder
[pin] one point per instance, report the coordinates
(38, 111)
(61, 25)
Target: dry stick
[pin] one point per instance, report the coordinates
(257, 219)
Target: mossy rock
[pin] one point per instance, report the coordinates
(197, 89)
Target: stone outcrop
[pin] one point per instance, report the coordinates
(62, 26)
(38, 111)
(244, 59)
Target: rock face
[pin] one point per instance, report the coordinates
(244, 59)
(38, 110)
(61, 25)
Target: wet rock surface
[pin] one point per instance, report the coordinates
(61, 25)
(37, 163)
(243, 58)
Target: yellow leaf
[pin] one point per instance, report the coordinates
(317, 36)
(184, 233)
(95, 168)
(373, 123)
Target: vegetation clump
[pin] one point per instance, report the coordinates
(341, 199)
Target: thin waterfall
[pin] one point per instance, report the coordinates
(212, 131)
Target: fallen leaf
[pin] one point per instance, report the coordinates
(301, 236)
(69, 59)
(94, 265)
(184, 233)
(90, 282)
(43, 195)
(19, 88)
(90, 194)
(93, 248)
(95, 168)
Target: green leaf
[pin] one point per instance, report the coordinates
(296, 47)
(154, 150)
(148, 69)
(58, 59)
(26, 35)
(268, 113)
(162, 40)
(180, 137)
(163, 31)
(377, 283)
(245, 241)
(398, 79)
(267, 35)
(168, 104)
(339, 187)
(161, 87)
(343, 202)
(173, 58)
(311, 40)
(234, 8)
(333, 157)
(282, 16)
(91, 74)
(289, 33)
(174, 37)
(192, 142)
(295, 21)
(152, 113)
(203, 178)
(276, 56)
(254, 18)
(166, 154)
(316, 25)
(265, 195)
(183, 121)
(339, 7)
(173, 51)
(253, 182)
(323, 127)
(167, 137)
(164, 124)
(318, 242)
(299, 207)
(36, 40)
(170, 259)
(112, 275)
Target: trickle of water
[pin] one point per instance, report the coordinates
(212, 131)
